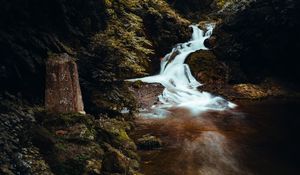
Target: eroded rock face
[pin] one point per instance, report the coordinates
(63, 92)
(262, 39)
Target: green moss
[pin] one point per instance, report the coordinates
(137, 84)
(123, 135)
(69, 158)
(221, 3)
(68, 119)
(124, 39)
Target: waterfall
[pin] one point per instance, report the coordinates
(180, 86)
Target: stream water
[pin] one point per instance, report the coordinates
(180, 86)
(261, 140)
(204, 134)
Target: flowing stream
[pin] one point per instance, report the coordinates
(180, 86)
(201, 136)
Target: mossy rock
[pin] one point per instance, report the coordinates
(250, 91)
(93, 166)
(206, 68)
(77, 132)
(48, 119)
(112, 99)
(72, 158)
(115, 162)
(114, 131)
(137, 84)
(148, 142)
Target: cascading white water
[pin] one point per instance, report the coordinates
(180, 86)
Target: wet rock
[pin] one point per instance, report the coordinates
(146, 95)
(149, 142)
(62, 92)
(206, 68)
(250, 91)
(210, 42)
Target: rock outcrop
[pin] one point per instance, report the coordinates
(62, 92)
(260, 40)
(149, 142)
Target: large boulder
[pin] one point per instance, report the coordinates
(207, 68)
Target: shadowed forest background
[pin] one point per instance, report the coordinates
(252, 56)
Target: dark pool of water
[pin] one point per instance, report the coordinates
(259, 137)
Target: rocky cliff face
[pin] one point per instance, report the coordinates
(262, 39)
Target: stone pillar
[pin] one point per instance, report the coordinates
(62, 92)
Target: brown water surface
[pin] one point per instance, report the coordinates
(256, 138)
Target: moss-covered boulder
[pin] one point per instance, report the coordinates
(115, 132)
(206, 68)
(115, 161)
(149, 142)
(81, 144)
(250, 91)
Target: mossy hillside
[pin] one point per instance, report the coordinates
(78, 144)
(124, 50)
(123, 41)
(126, 40)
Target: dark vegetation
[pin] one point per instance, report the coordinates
(256, 42)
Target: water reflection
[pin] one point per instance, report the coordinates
(216, 143)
